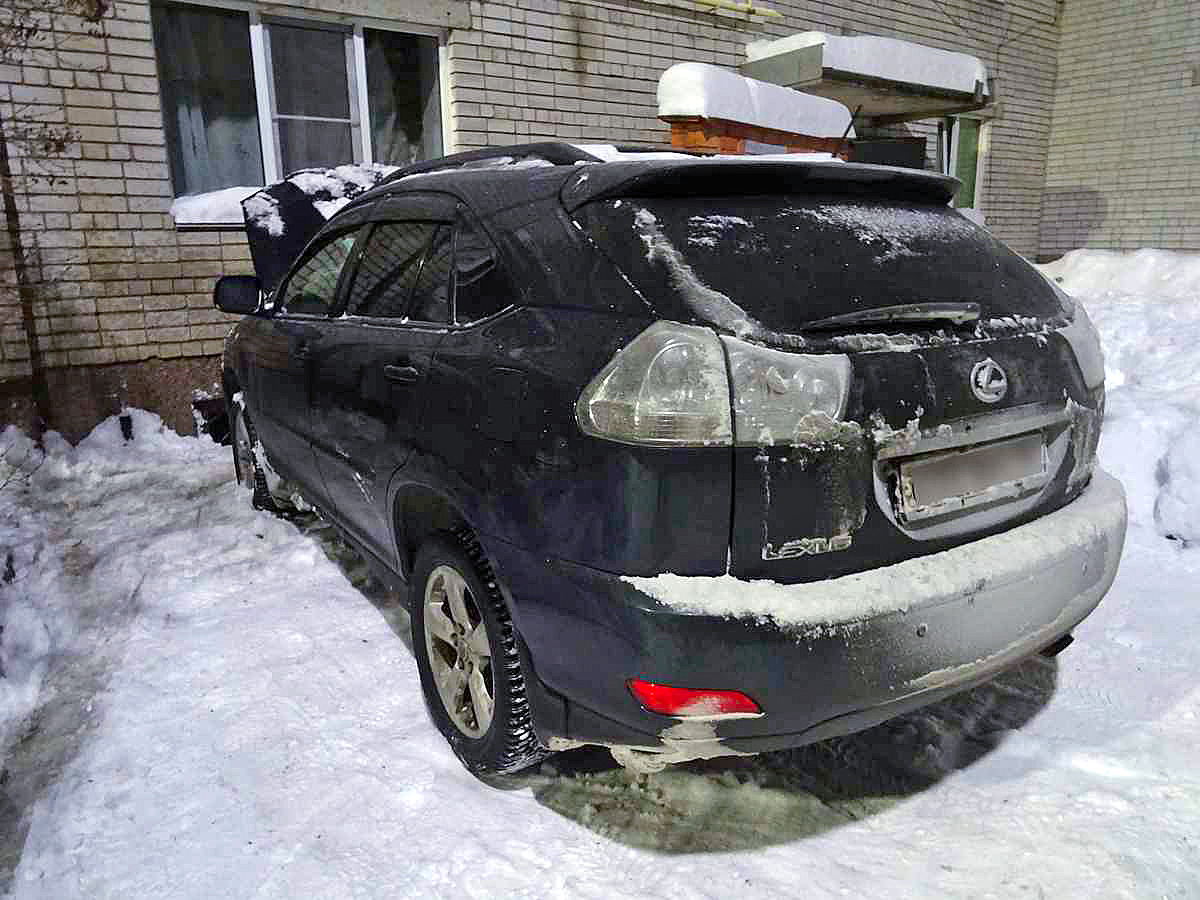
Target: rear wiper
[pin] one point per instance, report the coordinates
(954, 313)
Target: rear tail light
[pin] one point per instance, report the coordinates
(686, 702)
(670, 388)
(784, 398)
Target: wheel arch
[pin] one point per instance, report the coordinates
(418, 511)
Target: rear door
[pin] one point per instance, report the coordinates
(282, 350)
(871, 424)
(370, 375)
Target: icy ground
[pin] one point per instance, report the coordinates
(203, 701)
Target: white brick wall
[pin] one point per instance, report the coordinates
(121, 284)
(1124, 164)
(540, 69)
(118, 283)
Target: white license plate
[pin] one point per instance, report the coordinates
(941, 483)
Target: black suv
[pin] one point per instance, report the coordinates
(685, 457)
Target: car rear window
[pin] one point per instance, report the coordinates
(784, 261)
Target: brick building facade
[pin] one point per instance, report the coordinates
(119, 294)
(1124, 165)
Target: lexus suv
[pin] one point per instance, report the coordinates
(685, 457)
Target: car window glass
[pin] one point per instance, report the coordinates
(480, 286)
(310, 292)
(388, 270)
(431, 297)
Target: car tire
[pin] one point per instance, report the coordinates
(245, 459)
(466, 651)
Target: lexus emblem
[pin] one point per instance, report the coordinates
(988, 381)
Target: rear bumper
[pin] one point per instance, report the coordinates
(820, 659)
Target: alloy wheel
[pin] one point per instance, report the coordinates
(460, 655)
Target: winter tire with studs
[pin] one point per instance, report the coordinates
(245, 459)
(466, 652)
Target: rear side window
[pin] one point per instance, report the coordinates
(480, 287)
(312, 289)
(787, 260)
(431, 297)
(388, 271)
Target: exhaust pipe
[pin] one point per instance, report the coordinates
(1058, 646)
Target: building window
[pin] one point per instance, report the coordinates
(209, 113)
(286, 94)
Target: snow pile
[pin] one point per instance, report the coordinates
(880, 57)
(213, 208)
(1146, 306)
(25, 633)
(612, 153)
(41, 611)
(710, 92)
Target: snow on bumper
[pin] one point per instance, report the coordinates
(1073, 547)
(869, 646)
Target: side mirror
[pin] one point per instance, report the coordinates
(238, 294)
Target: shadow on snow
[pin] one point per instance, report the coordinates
(740, 803)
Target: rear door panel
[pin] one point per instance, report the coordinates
(366, 418)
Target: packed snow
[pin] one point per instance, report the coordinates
(200, 700)
(881, 57)
(710, 92)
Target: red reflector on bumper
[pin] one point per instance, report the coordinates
(675, 701)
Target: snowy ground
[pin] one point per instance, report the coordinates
(203, 701)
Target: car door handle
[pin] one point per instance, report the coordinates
(401, 374)
(301, 350)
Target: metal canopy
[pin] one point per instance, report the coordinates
(884, 80)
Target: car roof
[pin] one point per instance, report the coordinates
(497, 180)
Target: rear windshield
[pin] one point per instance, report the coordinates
(779, 262)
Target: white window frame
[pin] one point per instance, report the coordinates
(356, 70)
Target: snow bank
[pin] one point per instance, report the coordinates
(1146, 306)
(880, 57)
(710, 92)
(222, 207)
(42, 607)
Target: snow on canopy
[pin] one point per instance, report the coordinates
(710, 92)
(880, 57)
(283, 217)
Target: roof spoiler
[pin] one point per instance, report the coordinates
(556, 153)
(739, 175)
